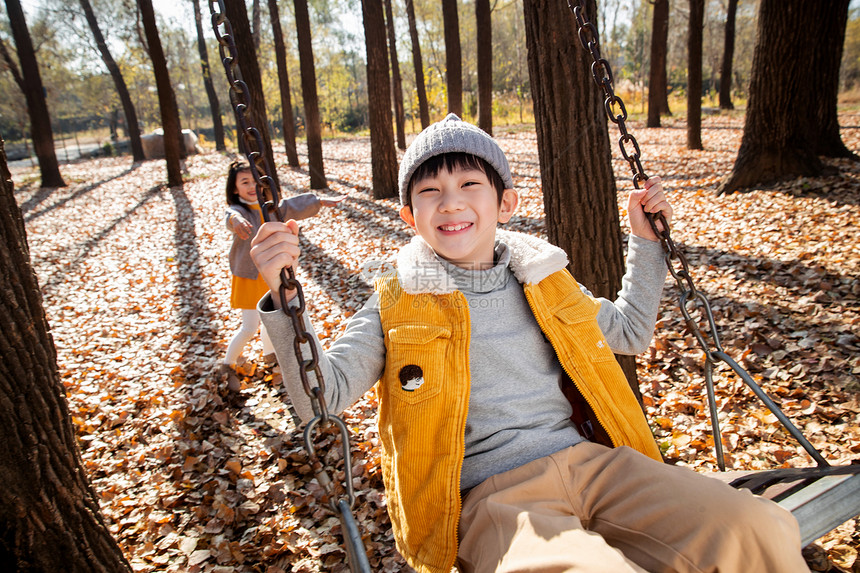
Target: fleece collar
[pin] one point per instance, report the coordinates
(532, 260)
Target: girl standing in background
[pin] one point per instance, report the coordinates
(244, 217)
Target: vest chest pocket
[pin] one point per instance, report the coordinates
(584, 328)
(415, 356)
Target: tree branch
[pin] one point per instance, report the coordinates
(13, 67)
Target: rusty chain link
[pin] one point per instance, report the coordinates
(340, 501)
(689, 294)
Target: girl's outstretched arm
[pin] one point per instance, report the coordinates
(332, 201)
(239, 225)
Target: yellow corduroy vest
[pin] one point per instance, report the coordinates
(424, 397)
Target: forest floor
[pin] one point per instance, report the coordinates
(192, 478)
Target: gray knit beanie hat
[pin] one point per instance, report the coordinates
(452, 135)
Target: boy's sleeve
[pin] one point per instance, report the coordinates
(350, 367)
(628, 322)
(299, 207)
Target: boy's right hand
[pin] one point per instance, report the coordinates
(276, 247)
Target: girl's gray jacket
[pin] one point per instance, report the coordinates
(298, 207)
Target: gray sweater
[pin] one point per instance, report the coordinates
(509, 423)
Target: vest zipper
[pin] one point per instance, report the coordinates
(552, 343)
(462, 432)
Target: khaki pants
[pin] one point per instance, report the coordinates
(596, 509)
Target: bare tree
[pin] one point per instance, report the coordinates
(484, 27)
(118, 81)
(694, 74)
(827, 51)
(19, 81)
(453, 57)
(396, 85)
(287, 122)
(423, 107)
(728, 57)
(579, 193)
(255, 24)
(383, 156)
(237, 13)
(309, 96)
(779, 140)
(214, 105)
(50, 514)
(173, 145)
(11, 65)
(658, 97)
(34, 93)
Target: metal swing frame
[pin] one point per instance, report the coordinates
(820, 497)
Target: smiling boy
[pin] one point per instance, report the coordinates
(523, 448)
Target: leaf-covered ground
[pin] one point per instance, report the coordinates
(191, 478)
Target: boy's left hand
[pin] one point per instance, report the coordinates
(651, 199)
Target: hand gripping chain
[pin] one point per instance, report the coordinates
(341, 501)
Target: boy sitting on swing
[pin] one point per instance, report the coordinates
(485, 351)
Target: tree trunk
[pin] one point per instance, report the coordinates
(173, 144)
(728, 57)
(49, 515)
(484, 27)
(114, 124)
(12, 66)
(694, 74)
(214, 105)
(423, 107)
(396, 85)
(579, 191)
(255, 28)
(658, 97)
(383, 156)
(237, 13)
(133, 128)
(453, 57)
(827, 51)
(287, 121)
(775, 144)
(34, 93)
(309, 95)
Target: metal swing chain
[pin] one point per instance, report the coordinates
(689, 295)
(268, 196)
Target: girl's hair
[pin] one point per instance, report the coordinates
(450, 162)
(232, 173)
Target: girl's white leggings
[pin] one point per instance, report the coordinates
(250, 324)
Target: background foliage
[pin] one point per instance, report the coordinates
(82, 99)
